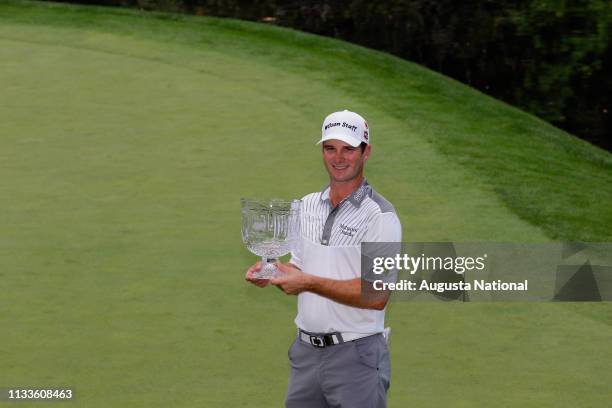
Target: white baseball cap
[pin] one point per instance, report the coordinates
(347, 126)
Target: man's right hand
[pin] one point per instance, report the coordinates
(256, 281)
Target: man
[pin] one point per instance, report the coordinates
(340, 356)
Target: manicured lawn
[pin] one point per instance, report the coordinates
(126, 141)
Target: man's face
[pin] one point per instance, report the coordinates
(342, 161)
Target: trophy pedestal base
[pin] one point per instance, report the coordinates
(268, 269)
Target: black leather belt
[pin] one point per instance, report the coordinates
(321, 340)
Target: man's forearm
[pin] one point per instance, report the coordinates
(347, 292)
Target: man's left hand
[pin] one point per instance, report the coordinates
(290, 280)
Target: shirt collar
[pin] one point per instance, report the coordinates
(356, 197)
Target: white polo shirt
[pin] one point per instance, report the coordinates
(330, 247)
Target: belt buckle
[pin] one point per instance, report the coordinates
(317, 341)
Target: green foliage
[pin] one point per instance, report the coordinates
(565, 41)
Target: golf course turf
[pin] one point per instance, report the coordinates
(126, 141)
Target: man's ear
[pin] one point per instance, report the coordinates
(366, 152)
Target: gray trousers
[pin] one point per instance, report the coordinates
(354, 374)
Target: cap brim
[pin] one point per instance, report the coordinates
(342, 137)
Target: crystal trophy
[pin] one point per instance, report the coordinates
(270, 228)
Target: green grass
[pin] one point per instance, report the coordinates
(126, 141)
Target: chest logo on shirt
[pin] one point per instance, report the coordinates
(346, 230)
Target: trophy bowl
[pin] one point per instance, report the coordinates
(270, 229)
